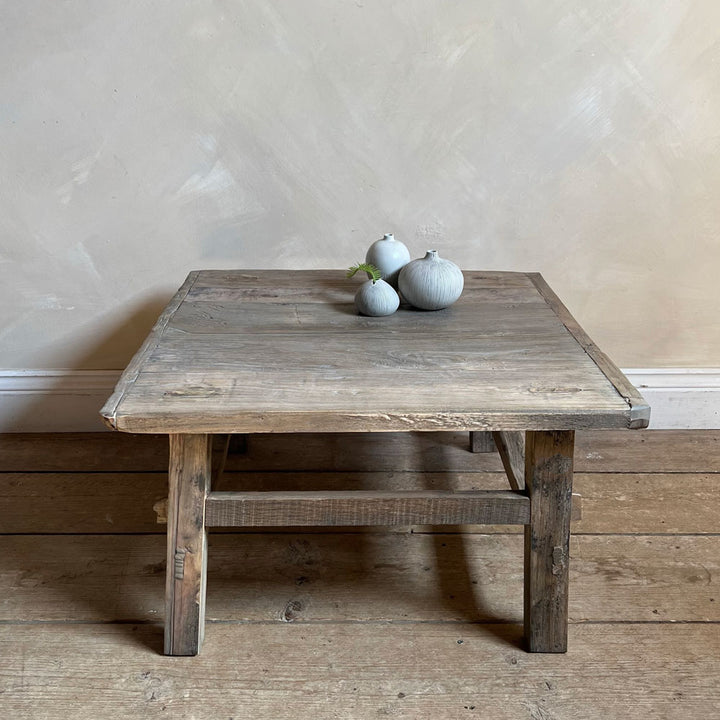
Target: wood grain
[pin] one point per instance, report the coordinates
(109, 410)
(548, 481)
(598, 451)
(220, 447)
(486, 363)
(69, 502)
(200, 317)
(481, 442)
(370, 507)
(511, 446)
(199, 414)
(359, 624)
(235, 517)
(640, 410)
(345, 577)
(288, 671)
(186, 564)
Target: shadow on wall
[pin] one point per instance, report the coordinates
(70, 399)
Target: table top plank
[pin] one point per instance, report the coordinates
(110, 409)
(245, 316)
(640, 410)
(285, 351)
(197, 402)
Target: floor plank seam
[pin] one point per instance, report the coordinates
(459, 533)
(459, 623)
(4, 623)
(423, 471)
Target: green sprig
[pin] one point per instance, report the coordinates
(371, 270)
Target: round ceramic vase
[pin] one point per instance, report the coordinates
(376, 299)
(388, 255)
(431, 283)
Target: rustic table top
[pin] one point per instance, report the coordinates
(285, 351)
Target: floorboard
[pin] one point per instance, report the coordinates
(596, 451)
(335, 577)
(628, 672)
(418, 622)
(79, 502)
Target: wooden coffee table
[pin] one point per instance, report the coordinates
(285, 352)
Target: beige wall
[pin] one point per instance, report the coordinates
(141, 140)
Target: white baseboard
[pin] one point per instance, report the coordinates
(70, 400)
(54, 400)
(680, 398)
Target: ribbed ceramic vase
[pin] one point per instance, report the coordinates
(388, 255)
(376, 299)
(431, 283)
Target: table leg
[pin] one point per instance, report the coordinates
(220, 445)
(189, 481)
(481, 442)
(548, 479)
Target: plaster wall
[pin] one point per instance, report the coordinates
(140, 140)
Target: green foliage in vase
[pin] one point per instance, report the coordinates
(371, 270)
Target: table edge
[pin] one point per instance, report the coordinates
(638, 415)
(324, 422)
(639, 408)
(109, 410)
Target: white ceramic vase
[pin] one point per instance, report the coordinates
(388, 255)
(431, 283)
(376, 299)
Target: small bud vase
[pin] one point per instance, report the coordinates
(376, 298)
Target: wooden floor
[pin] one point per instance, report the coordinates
(409, 623)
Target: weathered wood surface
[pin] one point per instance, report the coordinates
(135, 366)
(287, 672)
(548, 481)
(186, 557)
(333, 577)
(640, 410)
(123, 502)
(195, 401)
(602, 451)
(365, 507)
(307, 362)
(218, 459)
(511, 446)
(219, 519)
(354, 625)
(481, 442)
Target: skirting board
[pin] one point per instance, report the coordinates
(69, 400)
(679, 398)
